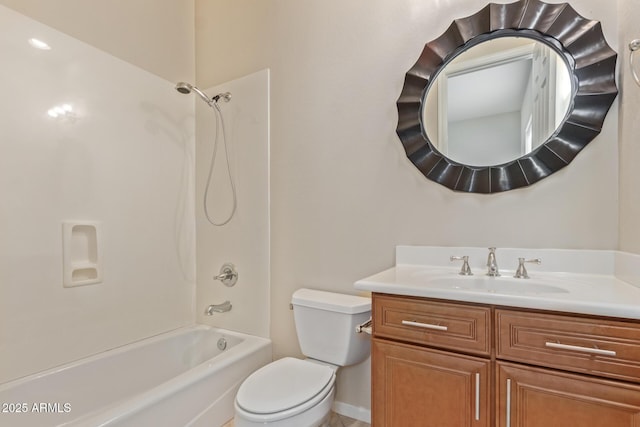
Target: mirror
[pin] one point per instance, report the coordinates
(497, 101)
(554, 85)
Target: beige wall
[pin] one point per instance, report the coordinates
(629, 131)
(156, 35)
(343, 193)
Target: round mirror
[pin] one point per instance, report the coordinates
(507, 96)
(497, 101)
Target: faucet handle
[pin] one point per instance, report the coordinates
(465, 270)
(521, 271)
(228, 274)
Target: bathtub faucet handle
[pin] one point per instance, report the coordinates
(228, 274)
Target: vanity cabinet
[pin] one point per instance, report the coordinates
(440, 364)
(421, 375)
(584, 354)
(535, 397)
(415, 386)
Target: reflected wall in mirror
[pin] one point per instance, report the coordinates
(555, 87)
(497, 101)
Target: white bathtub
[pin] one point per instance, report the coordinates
(175, 379)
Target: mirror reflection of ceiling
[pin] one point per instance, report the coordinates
(497, 101)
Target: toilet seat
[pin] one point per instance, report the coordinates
(284, 388)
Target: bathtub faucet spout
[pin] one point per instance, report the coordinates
(219, 308)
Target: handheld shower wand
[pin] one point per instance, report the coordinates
(187, 88)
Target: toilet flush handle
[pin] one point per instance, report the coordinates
(365, 327)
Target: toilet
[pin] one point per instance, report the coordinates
(294, 392)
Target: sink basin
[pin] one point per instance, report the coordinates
(497, 285)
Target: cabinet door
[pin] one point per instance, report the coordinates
(419, 387)
(535, 397)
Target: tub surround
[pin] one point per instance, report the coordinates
(593, 282)
(161, 43)
(123, 158)
(247, 235)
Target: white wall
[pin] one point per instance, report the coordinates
(244, 241)
(343, 193)
(488, 140)
(125, 159)
(155, 35)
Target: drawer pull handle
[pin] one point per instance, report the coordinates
(580, 349)
(424, 325)
(508, 403)
(477, 396)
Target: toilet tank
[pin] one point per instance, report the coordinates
(326, 326)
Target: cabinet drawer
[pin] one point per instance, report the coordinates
(592, 346)
(461, 327)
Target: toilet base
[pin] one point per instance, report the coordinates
(316, 416)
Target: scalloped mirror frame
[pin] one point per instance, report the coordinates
(591, 62)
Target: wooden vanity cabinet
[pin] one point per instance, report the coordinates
(533, 397)
(420, 376)
(591, 374)
(414, 386)
(441, 364)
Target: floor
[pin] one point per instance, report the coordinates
(336, 420)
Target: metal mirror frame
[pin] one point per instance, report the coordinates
(579, 41)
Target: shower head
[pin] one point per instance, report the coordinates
(187, 88)
(183, 87)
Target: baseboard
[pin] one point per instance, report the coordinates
(355, 412)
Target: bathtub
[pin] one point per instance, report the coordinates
(179, 378)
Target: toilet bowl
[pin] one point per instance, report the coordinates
(288, 392)
(294, 392)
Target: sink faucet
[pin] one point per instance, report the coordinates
(492, 264)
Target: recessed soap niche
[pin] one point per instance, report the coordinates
(82, 263)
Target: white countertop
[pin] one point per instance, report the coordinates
(584, 293)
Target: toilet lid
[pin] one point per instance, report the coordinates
(282, 385)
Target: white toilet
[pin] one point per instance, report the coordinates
(299, 393)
